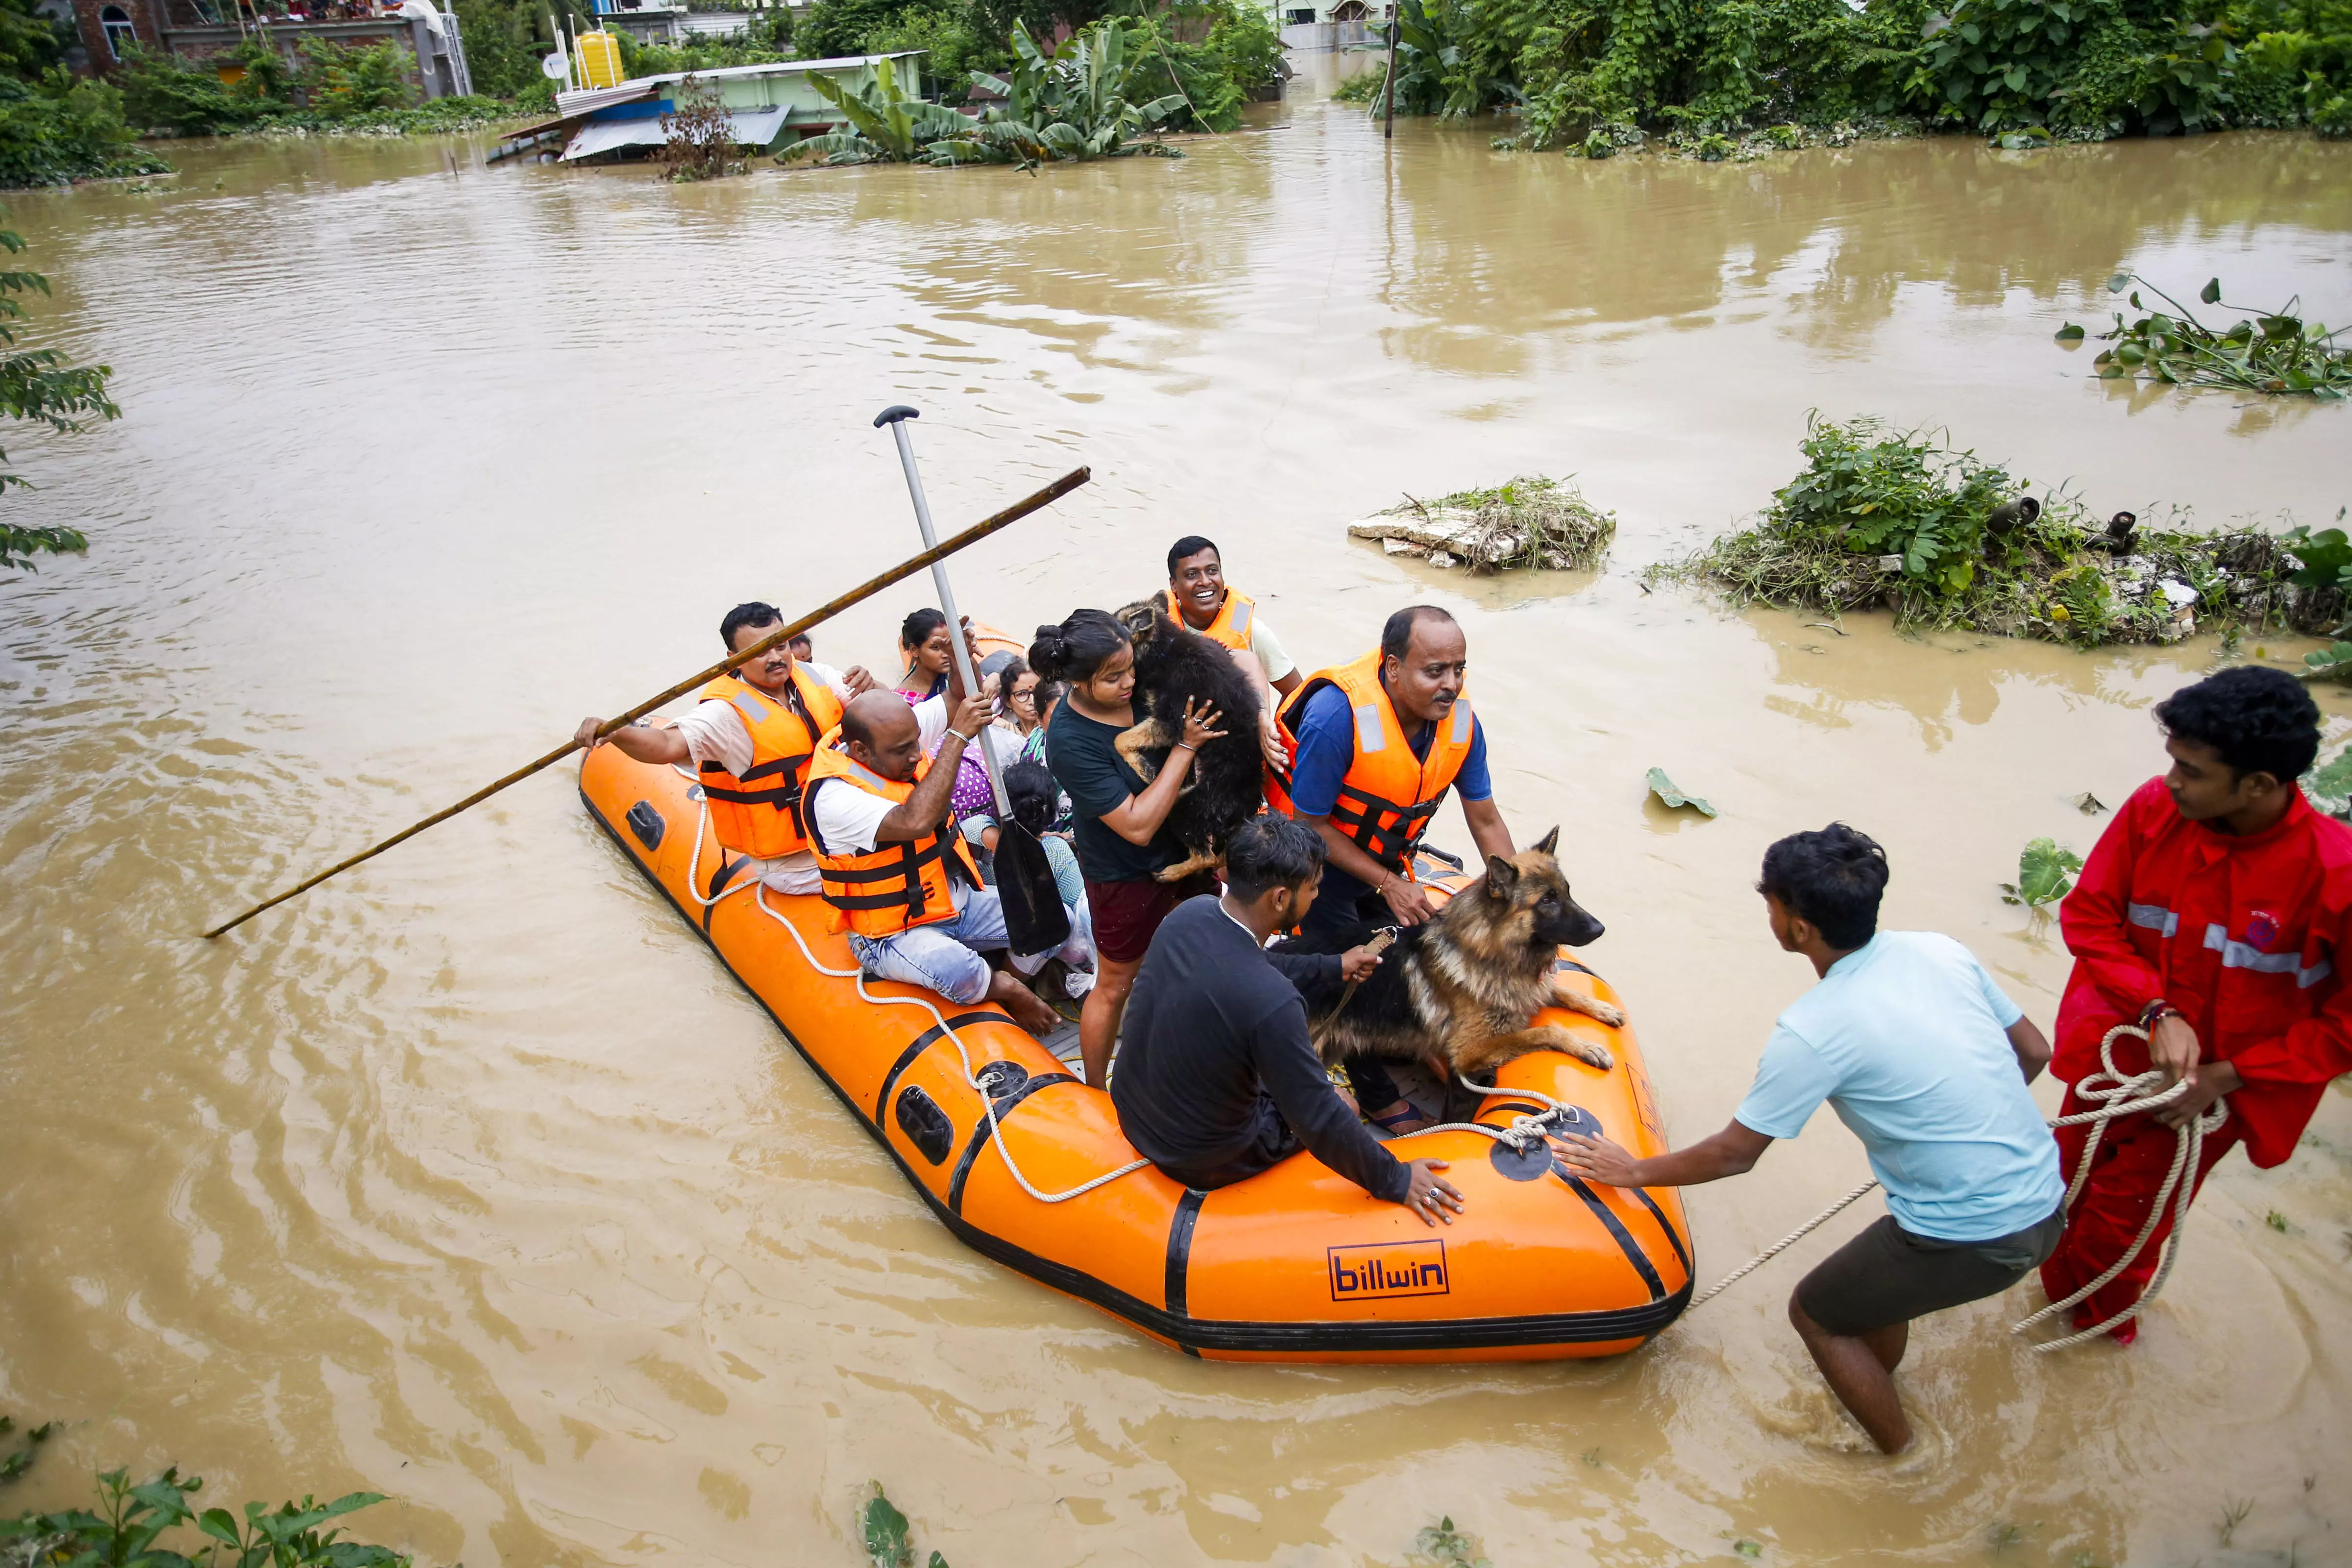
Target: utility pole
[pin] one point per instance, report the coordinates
(1388, 94)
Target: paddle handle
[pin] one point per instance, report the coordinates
(896, 417)
(930, 557)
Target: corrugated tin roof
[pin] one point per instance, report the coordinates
(752, 127)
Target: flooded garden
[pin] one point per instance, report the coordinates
(471, 1179)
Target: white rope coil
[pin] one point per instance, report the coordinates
(2117, 1095)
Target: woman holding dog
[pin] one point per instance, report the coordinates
(1119, 819)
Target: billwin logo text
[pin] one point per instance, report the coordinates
(1393, 1268)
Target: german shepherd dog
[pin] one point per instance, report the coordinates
(1459, 990)
(1227, 786)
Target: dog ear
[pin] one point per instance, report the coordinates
(1502, 878)
(1549, 843)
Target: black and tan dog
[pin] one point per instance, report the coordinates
(1227, 786)
(1460, 989)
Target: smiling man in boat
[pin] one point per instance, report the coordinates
(750, 736)
(900, 879)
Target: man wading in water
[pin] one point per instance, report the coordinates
(1928, 1061)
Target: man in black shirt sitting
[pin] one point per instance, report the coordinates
(1217, 1078)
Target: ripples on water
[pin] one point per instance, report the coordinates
(471, 1178)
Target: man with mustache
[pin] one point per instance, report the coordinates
(1381, 742)
(750, 737)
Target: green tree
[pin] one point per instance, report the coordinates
(40, 384)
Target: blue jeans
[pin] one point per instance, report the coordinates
(944, 956)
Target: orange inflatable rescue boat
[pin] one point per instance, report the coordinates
(1296, 1263)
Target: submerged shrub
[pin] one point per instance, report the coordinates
(67, 127)
(1902, 520)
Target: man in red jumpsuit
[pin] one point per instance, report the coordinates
(2216, 913)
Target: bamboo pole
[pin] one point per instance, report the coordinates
(1388, 92)
(866, 590)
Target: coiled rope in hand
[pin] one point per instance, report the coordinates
(2117, 1095)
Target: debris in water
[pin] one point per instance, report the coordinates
(2045, 873)
(1665, 789)
(1903, 520)
(2088, 803)
(1530, 521)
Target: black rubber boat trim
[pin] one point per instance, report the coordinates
(1675, 1240)
(980, 1139)
(1194, 1335)
(1625, 1242)
(916, 1046)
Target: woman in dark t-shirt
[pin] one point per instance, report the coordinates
(1120, 821)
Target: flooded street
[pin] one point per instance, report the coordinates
(473, 1179)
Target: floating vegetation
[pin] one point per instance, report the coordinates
(889, 1541)
(2272, 351)
(1903, 521)
(2328, 787)
(1447, 1547)
(2045, 874)
(1530, 521)
(129, 1518)
(1664, 789)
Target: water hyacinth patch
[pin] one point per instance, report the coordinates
(2270, 351)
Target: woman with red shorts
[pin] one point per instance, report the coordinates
(1121, 822)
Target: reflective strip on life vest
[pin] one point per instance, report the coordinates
(2157, 918)
(2240, 955)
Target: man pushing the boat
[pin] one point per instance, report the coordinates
(1925, 1059)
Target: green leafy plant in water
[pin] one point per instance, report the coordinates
(1447, 1547)
(2328, 787)
(17, 1463)
(2045, 873)
(1665, 789)
(888, 1539)
(1072, 106)
(2274, 351)
(130, 1520)
(887, 124)
(2331, 663)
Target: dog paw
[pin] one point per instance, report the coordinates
(1605, 1013)
(1595, 1057)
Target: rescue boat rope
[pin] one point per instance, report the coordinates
(987, 1099)
(2112, 1086)
(2118, 1095)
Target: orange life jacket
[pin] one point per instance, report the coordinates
(760, 814)
(1388, 796)
(1232, 626)
(895, 886)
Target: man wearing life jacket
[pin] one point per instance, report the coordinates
(902, 880)
(2215, 913)
(1198, 597)
(1381, 743)
(750, 738)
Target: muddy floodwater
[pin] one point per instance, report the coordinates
(473, 1179)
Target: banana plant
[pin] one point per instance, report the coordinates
(886, 125)
(1072, 106)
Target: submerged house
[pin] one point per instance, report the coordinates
(769, 105)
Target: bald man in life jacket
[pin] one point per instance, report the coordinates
(1381, 742)
(750, 739)
(901, 878)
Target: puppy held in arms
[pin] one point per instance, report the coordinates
(1459, 991)
(1227, 786)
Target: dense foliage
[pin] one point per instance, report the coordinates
(2033, 69)
(1879, 518)
(326, 88)
(60, 127)
(41, 385)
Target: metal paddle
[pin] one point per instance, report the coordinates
(1034, 919)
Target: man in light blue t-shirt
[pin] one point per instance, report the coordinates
(1922, 1056)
